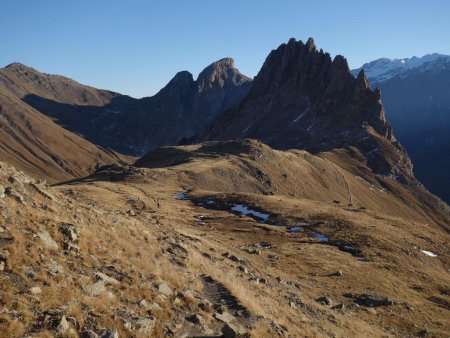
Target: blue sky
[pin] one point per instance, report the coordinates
(135, 47)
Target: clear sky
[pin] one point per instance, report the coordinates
(135, 47)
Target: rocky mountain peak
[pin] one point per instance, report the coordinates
(217, 66)
(18, 66)
(225, 62)
(362, 80)
(310, 45)
(23, 71)
(218, 74)
(182, 81)
(304, 99)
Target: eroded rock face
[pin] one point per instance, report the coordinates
(304, 99)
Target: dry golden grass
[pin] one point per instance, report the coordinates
(11, 328)
(246, 293)
(133, 249)
(262, 330)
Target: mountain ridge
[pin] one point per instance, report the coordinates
(301, 98)
(383, 69)
(124, 124)
(417, 103)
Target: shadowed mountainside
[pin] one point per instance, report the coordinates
(417, 102)
(131, 126)
(35, 144)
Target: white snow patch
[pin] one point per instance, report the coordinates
(247, 128)
(429, 253)
(301, 114)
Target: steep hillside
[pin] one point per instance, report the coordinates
(19, 81)
(303, 99)
(35, 144)
(222, 237)
(128, 125)
(417, 102)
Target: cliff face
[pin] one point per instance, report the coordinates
(302, 98)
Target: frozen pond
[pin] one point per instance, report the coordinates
(245, 210)
(320, 237)
(241, 209)
(181, 196)
(263, 217)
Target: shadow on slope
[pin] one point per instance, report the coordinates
(86, 120)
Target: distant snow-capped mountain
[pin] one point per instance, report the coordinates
(416, 96)
(384, 69)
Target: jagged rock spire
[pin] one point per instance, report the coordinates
(302, 98)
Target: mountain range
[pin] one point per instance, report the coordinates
(124, 124)
(416, 96)
(221, 206)
(224, 104)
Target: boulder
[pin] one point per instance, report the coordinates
(99, 276)
(69, 231)
(96, 288)
(47, 240)
(325, 301)
(145, 325)
(373, 300)
(225, 317)
(232, 330)
(164, 289)
(196, 319)
(63, 325)
(35, 290)
(109, 333)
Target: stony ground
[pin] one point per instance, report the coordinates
(122, 253)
